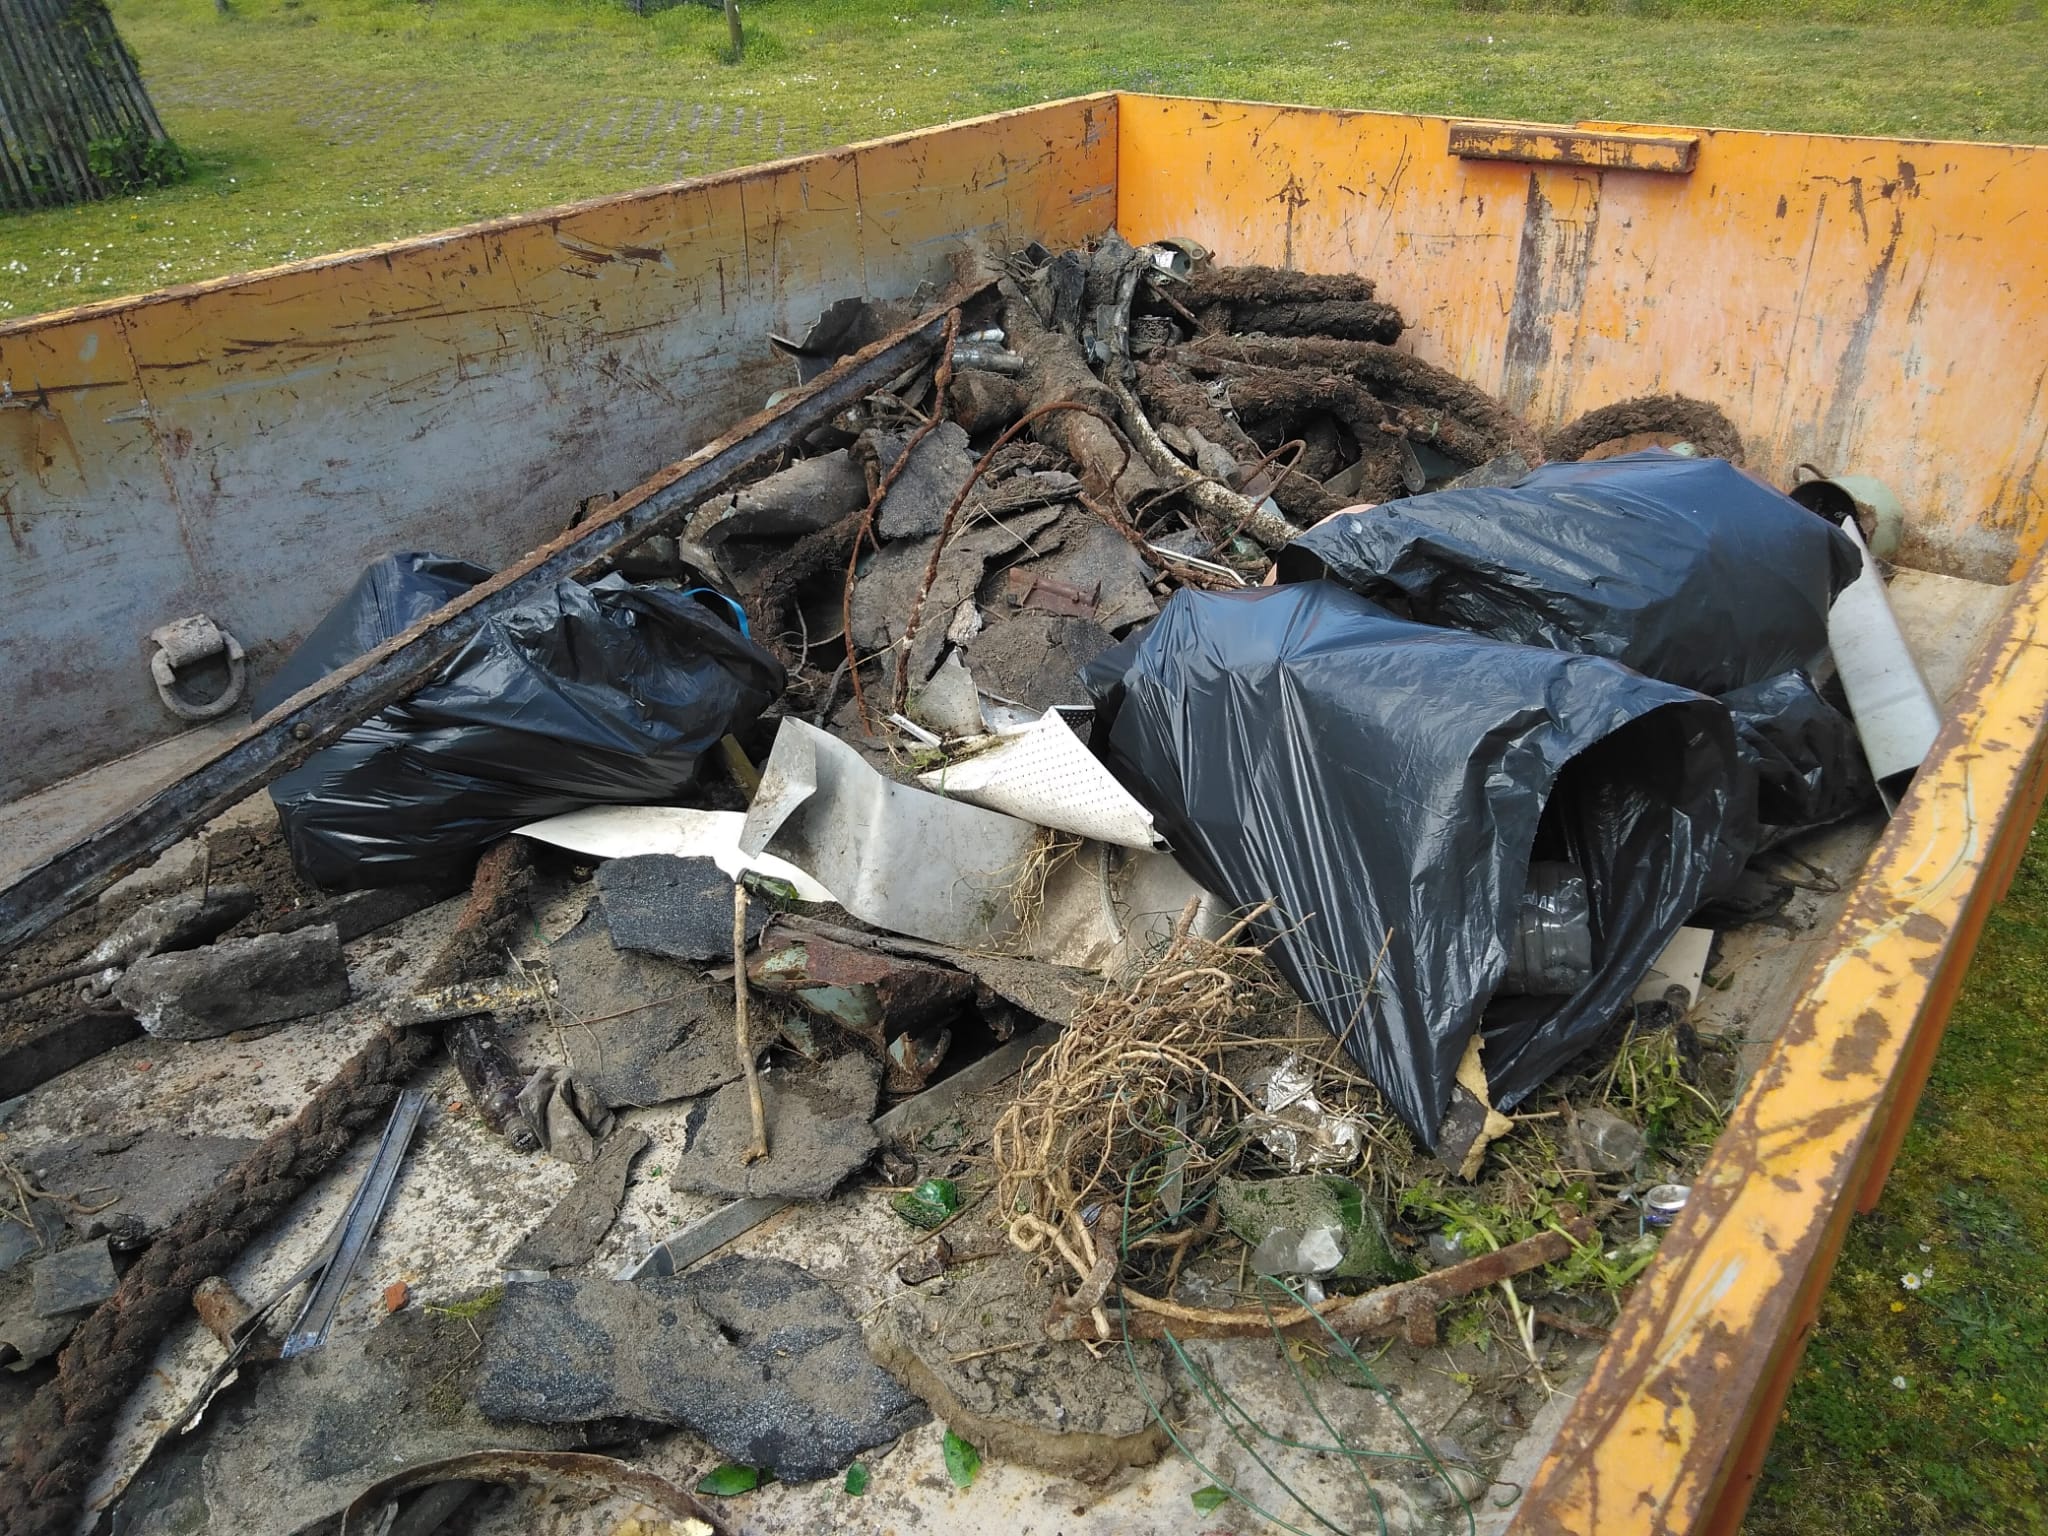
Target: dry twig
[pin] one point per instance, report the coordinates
(758, 1147)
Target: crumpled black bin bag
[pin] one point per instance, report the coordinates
(598, 694)
(1688, 570)
(1382, 782)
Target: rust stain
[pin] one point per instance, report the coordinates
(1854, 1055)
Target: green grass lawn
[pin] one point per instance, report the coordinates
(1922, 1404)
(323, 124)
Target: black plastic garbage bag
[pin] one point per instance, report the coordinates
(1385, 783)
(1808, 759)
(601, 694)
(1688, 570)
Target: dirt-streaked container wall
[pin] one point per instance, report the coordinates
(243, 448)
(1875, 306)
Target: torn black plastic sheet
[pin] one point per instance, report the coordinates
(1691, 571)
(1382, 783)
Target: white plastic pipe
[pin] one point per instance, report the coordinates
(1894, 710)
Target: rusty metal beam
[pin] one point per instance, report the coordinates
(312, 718)
(1666, 154)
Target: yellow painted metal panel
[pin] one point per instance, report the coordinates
(1866, 304)
(243, 447)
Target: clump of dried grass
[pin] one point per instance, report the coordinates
(1099, 1104)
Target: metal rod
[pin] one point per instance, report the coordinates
(352, 1234)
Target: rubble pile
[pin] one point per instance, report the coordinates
(1170, 660)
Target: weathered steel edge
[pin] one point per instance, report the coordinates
(1590, 125)
(512, 221)
(307, 721)
(1670, 1433)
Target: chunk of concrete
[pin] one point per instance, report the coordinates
(939, 465)
(891, 580)
(819, 1130)
(130, 1187)
(664, 905)
(657, 1031)
(78, 1277)
(198, 994)
(761, 1359)
(23, 1239)
(178, 922)
(572, 1230)
(1036, 659)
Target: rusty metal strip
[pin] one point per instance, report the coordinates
(1666, 154)
(1671, 1431)
(312, 718)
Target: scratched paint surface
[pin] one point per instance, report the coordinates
(243, 448)
(1864, 304)
(1872, 305)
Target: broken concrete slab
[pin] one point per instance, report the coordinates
(949, 702)
(819, 1131)
(811, 494)
(179, 922)
(890, 581)
(198, 994)
(976, 1350)
(663, 905)
(939, 465)
(74, 1279)
(761, 1359)
(131, 1186)
(1094, 556)
(1035, 659)
(40, 1233)
(656, 1031)
(570, 1233)
(1041, 989)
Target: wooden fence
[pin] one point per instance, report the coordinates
(74, 118)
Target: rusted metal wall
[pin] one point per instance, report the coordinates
(1874, 305)
(244, 447)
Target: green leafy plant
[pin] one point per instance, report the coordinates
(135, 160)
